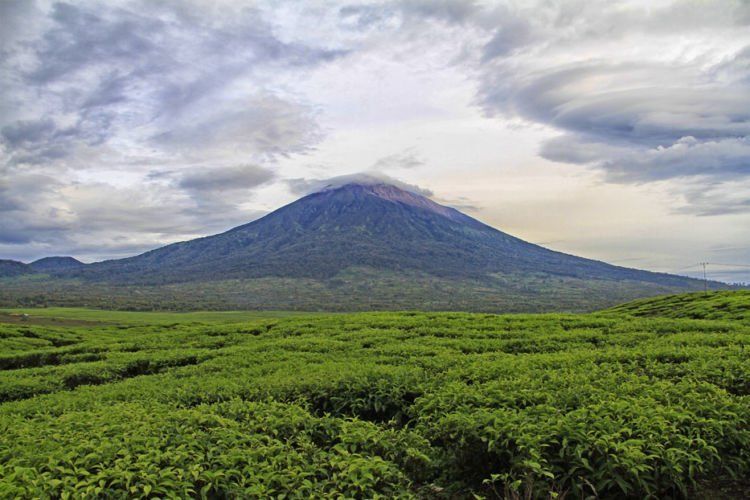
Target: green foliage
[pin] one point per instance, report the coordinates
(353, 289)
(372, 405)
(712, 305)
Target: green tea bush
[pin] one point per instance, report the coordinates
(385, 405)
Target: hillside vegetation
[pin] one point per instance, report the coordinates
(356, 289)
(711, 305)
(396, 405)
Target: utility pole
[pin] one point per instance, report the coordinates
(705, 280)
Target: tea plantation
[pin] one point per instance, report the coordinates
(373, 405)
(713, 305)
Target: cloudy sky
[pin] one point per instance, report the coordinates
(616, 130)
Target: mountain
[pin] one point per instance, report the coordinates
(379, 226)
(53, 264)
(367, 245)
(9, 268)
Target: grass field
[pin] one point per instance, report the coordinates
(433, 405)
(62, 315)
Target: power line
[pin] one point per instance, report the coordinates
(704, 270)
(686, 267)
(730, 265)
(701, 265)
(705, 279)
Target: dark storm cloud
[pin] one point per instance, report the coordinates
(15, 15)
(707, 198)
(632, 102)
(408, 12)
(225, 179)
(155, 39)
(111, 89)
(26, 213)
(717, 204)
(452, 11)
(80, 37)
(94, 220)
(264, 125)
(632, 127)
(42, 141)
(150, 65)
(76, 71)
(514, 33)
(722, 159)
(22, 133)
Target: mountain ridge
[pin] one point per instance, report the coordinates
(11, 268)
(55, 263)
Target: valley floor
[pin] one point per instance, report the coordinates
(412, 404)
(355, 289)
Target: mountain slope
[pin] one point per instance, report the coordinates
(375, 226)
(53, 264)
(10, 268)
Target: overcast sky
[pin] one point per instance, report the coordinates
(616, 130)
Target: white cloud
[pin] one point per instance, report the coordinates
(370, 178)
